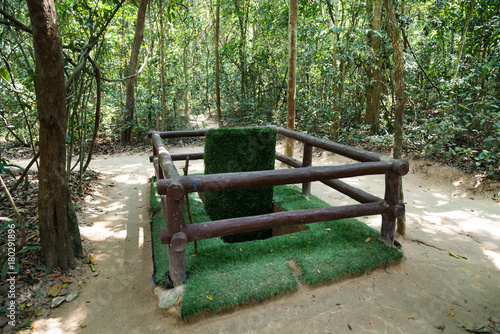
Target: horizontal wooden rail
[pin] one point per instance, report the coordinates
(346, 151)
(231, 181)
(183, 156)
(225, 227)
(165, 160)
(355, 193)
(288, 160)
(178, 134)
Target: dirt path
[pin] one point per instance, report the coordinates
(429, 292)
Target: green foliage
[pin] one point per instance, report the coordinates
(4, 73)
(239, 150)
(469, 138)
(334, 72)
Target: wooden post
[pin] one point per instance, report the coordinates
(391, 197)
(173, 206)
(306, 162)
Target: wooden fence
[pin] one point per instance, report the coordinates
(172, 188)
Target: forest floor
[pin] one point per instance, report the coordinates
(448, 282)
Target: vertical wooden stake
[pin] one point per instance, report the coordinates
(188, 207)
(306, 162)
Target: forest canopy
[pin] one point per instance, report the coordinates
(344, 75)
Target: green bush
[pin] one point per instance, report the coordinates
(239, 150)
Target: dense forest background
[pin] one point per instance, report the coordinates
(345, 85)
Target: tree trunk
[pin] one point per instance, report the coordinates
(162, 71)
(338, 88)
(132, 69)
(242, 14)
(292, 65)
(400, 84)
(217, 79)
(373, 98)
(186, 80)
(55, 214)
(459, 55)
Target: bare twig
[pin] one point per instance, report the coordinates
(15, 22)
(23, 175)
(97, 74)
(418, 63)
(18, 216)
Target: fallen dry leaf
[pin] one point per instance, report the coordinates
(53, 275)
(54, 290)
(319, 272)
(367, 240)
(451, 315)
(65, 280)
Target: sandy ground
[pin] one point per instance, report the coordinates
(429, 292)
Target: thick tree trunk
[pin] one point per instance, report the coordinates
(217, 79)
(292, 65)
(132, 69)
(373, 94)
(400, 83)
(58, 245)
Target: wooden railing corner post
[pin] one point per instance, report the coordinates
(176, 225)
(391, 198)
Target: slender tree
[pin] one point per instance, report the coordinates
(459, 55)
(292, 66)
(242, 14)
(132, 69)
(374, 89)
(56, 215)
(400, 83)
(217, 69)
(162, 72)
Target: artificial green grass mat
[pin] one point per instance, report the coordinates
(240, 150)
(224, 275)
